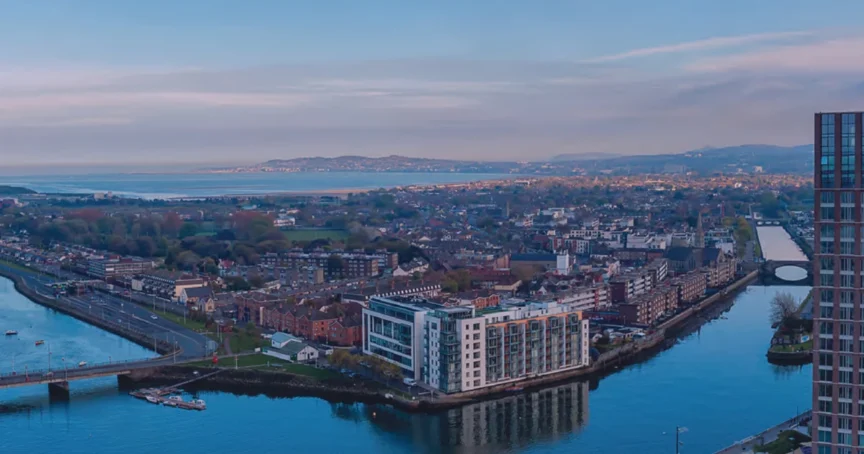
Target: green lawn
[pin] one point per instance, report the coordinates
(793, 348)
(316, 234)
(264, 362)
(18, 267)
(194, 325)
(242, 341)
(786, 442)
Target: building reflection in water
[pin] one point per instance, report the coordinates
(521, 418)
(491, 426)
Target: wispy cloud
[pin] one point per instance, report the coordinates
(702, 45)
(828, 55)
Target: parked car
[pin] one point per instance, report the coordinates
(409, 381)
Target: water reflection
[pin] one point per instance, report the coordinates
(498, 425)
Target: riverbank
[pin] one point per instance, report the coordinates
(794, 354)
(139, 338)
(256, 381)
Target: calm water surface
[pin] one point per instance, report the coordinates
(715, 381)
(202, 185)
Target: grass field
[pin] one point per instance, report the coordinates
(316, 234)
(264, 362)
(194, 325)
(806, 346)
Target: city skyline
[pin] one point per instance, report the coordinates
(127, 83)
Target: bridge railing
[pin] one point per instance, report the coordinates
(89, 367)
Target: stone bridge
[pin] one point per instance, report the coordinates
(786, 272)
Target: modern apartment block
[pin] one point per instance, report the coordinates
(627, 286)
(838, 355)
(458, 349)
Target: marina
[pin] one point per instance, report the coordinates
(168, 397)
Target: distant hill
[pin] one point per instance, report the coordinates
(15, 190)
(771, 158)
(570, 157)
(743, 158)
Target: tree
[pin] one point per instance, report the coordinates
(188, 229)
(784, 307)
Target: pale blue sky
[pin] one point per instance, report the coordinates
(193, 80)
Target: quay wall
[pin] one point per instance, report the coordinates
(136, 336)
(276, 383)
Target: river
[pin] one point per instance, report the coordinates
(777, 244)
(715, 381)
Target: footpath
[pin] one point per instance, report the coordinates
(750, 443)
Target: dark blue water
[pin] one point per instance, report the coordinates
(716, 383)
(201, 185)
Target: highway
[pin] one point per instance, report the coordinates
(118, 310)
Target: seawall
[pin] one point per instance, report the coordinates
(138, 337)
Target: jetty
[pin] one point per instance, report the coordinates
(166, 395)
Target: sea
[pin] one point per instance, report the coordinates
(178, 185)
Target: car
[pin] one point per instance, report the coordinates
(409, 381)
(154, 317)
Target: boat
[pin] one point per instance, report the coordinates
(173, 401)
(40, 342)
(152, 400)
(200, 403)
(11, 332)
(82, 364)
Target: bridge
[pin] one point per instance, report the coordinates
(786, 272)
(58, 379)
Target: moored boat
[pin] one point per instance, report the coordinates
(40, 342)
(11, 332)
(152, 400)
(82, 364)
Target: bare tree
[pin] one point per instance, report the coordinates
(784, 306)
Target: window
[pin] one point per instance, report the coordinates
(825, 406)
(827, 312)
(826, 375)
(844, 423)
(844, 376)
(827, 159)
(846, 198)
(827, 359)
(846, 247)
(828, 296)
(844, 408)
(826, 328)
(825, 436)
(846, 280)
(826, 390)
(826, 264)
(845, 361)
(846, 330)
(843, 439)
(825, 421)
(476, 326)
(846, 347)
(847, 233)
(826, 344)
(846, 265)
(845, 313)
(826, 213)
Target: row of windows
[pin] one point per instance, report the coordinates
(827, 359)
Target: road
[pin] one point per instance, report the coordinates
(118, 310)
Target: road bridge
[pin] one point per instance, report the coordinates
(58, 379)
(786, 272)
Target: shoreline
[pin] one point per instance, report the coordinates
(254, 382)
(140, 339)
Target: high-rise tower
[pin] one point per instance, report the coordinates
(838, 348)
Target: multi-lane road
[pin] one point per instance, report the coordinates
(122, 312)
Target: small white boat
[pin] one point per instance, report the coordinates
(152, 400)
(11, 332)
(200, 403)
(82, 364)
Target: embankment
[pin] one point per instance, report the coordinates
(253, 382)
(138, 337)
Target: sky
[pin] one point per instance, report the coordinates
(122, 82)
